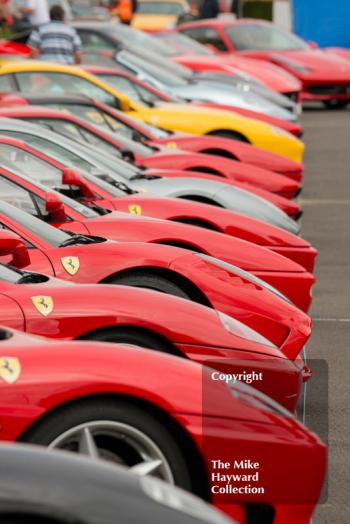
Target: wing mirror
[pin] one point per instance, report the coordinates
(313, 45)
(11, 244)
(71, 177)
(55, 207)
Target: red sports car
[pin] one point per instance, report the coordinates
(100, 400)
(287, 276)
(110, 119)
(324, 75)
(53, 173)
(194, 276)
(206, 58)
(199, 165)
(53, 308)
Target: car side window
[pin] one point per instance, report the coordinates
(94, 41)
(46, 83)
(28, 245)
(206, 35)
(22, 198)
(6, 84)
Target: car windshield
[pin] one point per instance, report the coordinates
(95, 116)
(160, 8)
(21, 162)
(137, 64)
(183, 45)
(78, 160)
(262, 37)
(128, 36)
(52, 235)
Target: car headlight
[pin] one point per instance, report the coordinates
(248, 276)
(237, 328)
(256, 399)
(180, 500)
(279, 131)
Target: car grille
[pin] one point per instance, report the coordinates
(329, 89)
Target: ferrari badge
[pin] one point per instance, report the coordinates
(10, 369)
(71, 264)
(43, 304)
(135, 210)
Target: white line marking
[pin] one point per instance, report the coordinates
(320, 319)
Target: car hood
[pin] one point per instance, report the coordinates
(248, 256)
(272, 76)
(317, 61)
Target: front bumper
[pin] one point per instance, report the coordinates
(291, 460)
(324, 91)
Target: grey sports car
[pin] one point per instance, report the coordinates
(120, 177)
(174, 79)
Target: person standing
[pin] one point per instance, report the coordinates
(56, 41)
(37, 12)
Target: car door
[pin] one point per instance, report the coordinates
(11, 314)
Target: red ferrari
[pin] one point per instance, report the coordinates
(194, 276)
(206, 58)
(100, 400)
(198, 165)
(111, 120)
(324, 75)
(54, 175)
(44, 306)
(287, 276)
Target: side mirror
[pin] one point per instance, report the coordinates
(55, 207)
(313, 45)
(13, 245)
(71, 177)
(124, 104)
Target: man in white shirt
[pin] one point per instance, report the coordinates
(37, 12)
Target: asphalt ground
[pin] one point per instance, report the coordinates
(326, 224)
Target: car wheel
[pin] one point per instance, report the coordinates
(230, 134)
(149, 281)
(116, 431)
(336, 104)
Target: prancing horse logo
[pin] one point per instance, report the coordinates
(71, 264)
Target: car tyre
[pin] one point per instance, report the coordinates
(150, 281)
(121, 432)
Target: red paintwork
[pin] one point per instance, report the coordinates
(287, 276)
(80, 311)
(177, 210)
(223, 289)
(201, 144)
(236, 173)
(13, 48)
(54, 373)
(272, 76)
(324, 68)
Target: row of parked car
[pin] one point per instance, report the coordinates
(154, 290)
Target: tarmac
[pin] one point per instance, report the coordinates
(326, 224)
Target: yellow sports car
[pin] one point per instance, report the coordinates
(45, 78)
(157, 15)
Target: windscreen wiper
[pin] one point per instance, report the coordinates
(78, 239)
